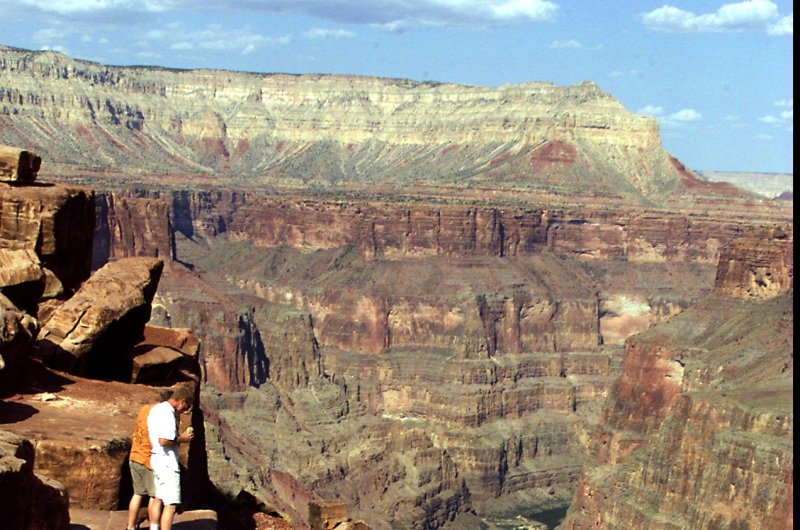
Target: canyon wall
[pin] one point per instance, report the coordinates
(697, 431)
(328, 130)
(461, 352)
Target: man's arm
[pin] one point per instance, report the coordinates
(182, 438)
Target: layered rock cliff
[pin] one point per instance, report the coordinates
(698, 428)
(461, 352)
(257, 129)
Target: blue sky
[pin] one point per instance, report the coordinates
(717, 75)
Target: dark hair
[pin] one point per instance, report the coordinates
(183, 393)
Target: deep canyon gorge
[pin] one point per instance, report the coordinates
(421, 305)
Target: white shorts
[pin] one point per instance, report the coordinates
(168, 485)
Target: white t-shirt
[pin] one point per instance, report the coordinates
(161, 424)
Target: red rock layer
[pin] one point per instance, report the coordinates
(752, 268)
(395, 230)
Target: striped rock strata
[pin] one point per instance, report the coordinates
(287, 129)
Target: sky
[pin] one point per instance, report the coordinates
(717, 76)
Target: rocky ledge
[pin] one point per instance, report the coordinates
(72, 345)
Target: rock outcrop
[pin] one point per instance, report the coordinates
(28, 501)
(751, 270)
(17, 331)
(89, 333)
(46, 238)
(18, 165)
(54, 454)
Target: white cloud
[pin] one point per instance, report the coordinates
(55, 49)
(71, 7)
(731, 117)
(675, 120)
(686, 115)
(396, 26)
(400, 15)
(784, 26)
(785, 103)
(510, 9)
(620, 73)
(557, 44)
(148, 55)
(748, 14)
(574, 44)
(320, 33)
(278, 41)
(784, 117)
(394, 15)
(651, 110)
(45, 36)
(156, 34)
(216, 37)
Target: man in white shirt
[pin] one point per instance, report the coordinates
(162, 427)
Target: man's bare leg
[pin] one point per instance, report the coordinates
(133, 510)
(154, 511)
(167, 514)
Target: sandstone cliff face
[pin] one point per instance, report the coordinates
(395, 228)
(329, 129)
(140, 227)
(394, 242)
(751, 272)
(698, 430)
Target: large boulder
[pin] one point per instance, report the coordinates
(18, 165)
(81, 433)
(16, 471)
(90, 333)
(53, 221)
(22, 278)
(165, 355)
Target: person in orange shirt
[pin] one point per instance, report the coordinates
(142, 472)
